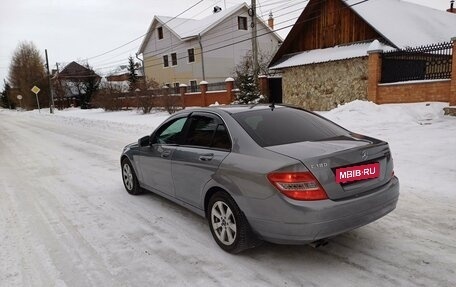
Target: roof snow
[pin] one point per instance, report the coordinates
(186, 28)
(406, 24)
(123, 69)
(402, 24)
(336, 53)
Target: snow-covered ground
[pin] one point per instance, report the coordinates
(66, 220)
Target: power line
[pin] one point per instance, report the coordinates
(137, 38)
(249, 38)
(264, 28)
(103, 62)
(184, 56)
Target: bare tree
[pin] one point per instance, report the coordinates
(27, 70)
(146, 96)
(108, 97)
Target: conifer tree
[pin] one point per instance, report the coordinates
(133, 76)
(5, 102)
(245, 81)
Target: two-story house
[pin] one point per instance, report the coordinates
(187, 51)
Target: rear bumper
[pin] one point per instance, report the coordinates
(336, 217)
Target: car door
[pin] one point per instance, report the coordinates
(195, 161)
(155, 159)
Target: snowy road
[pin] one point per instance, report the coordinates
(66, 220)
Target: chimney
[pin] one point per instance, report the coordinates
(452, 9)
(271, 20)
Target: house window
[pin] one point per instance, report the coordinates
(193, 86)
(160, 33)
(242, 23)
(165, 61)
(191, 55)
(174, 59)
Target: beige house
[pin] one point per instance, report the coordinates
(187, 51)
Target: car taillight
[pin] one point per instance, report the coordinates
(298, 185)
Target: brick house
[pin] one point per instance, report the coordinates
(325, 62)
(118, 79)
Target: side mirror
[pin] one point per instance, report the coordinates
(144, 141)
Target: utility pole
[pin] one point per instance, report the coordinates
(254, 40)
(51, 98)
(202, 57)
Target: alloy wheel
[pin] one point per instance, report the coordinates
(127, 176)
(223, 223)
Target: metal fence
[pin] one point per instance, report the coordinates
(221, 86)
(420, 63)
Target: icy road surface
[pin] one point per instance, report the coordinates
(66, 220)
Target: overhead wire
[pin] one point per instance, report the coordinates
(119, 61)
(223, 36)
(182, 23)
(183, 43)
(259, 35)
(184, 56)
(137, 38)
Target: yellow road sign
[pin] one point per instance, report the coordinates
(35, 89)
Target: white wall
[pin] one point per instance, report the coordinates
(223, 48)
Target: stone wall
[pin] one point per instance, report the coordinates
(321, 87)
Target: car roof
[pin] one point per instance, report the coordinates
(233, 109)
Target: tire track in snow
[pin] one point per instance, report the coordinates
(148, 239)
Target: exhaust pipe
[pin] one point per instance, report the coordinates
(319, 243)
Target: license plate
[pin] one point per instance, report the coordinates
(359, 172)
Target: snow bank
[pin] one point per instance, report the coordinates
(66, 220)
(362, 113)
(422, 140)
(132, 121)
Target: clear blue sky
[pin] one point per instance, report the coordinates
(76, 30)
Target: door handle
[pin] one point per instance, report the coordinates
(206, 157)
(165, 153)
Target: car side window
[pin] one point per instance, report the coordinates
(206, 131)
(171, 132)
(221, 138)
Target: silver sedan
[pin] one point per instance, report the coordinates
(274, 173)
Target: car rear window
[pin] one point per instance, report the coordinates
(286, 125)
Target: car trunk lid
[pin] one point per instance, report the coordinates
(323, 158)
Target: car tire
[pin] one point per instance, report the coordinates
(129, 178)
(228, 224)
